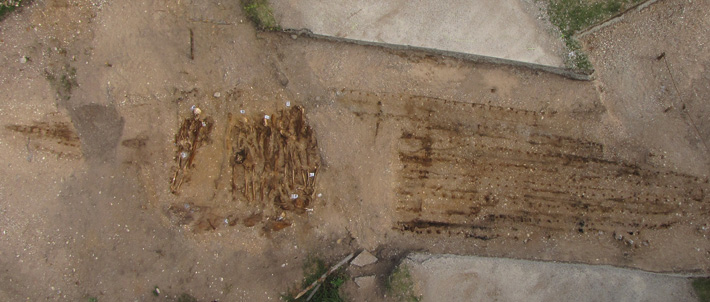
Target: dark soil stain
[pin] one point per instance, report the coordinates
(99, 129)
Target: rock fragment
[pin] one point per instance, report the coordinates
(365, 281)
(363, 259)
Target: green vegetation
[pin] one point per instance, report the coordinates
(93, 299)
(7, 6)
(574, 15)
(63, 82)
(577, 59)
(261, 14)
(401, 286)
(185, 297)
(329, 290)
(702, 289)
(571, 16)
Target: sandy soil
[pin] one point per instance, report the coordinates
(408, 152)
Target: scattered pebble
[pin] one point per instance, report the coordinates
(217, 94)
(618, 236)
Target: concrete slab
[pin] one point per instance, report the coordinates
(363, 259)
(468, 278)
(507, 29)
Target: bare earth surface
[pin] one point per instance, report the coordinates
(508, 29)
(111, 184)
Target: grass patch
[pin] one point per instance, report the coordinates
(576, 58)
(185, 297)
(329, 290)
(401, 286)
(63, 82)
(8, 6)
(571, 16)
(260, 12)
(702, 289)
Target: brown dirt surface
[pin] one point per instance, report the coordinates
(364, 148)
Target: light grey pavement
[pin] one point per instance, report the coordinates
(507, 29)
(468, 278)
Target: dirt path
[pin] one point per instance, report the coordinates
(396, 151)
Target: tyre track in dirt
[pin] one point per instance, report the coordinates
(485, 172)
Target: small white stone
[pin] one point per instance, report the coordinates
(217, 94)
(23, 60)
(267, 117)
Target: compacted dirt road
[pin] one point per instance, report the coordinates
(170, 144)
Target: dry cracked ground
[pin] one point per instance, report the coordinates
(168, 143)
